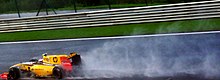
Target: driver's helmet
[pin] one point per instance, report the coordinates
(45, 54)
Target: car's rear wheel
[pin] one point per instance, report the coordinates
(14, 73)
(58, 73)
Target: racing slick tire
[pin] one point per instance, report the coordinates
(14, 73)
(58, 73)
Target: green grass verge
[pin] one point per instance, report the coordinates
(80, 7)
(114, 6)
(116, 30)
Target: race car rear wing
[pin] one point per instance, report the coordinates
(76, 58)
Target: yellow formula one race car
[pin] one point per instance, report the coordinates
(54, 66)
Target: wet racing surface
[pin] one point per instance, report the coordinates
(184, 57)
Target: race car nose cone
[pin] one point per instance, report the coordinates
(4, 76)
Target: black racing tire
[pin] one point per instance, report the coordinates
(14, 73)
(58, 73)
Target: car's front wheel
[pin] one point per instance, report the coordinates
(14, 73)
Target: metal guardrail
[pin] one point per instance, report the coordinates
(171, 12)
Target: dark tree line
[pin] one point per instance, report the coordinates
(27, 5)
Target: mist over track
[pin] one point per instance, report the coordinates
(127, 57)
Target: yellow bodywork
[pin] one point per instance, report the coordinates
(42, 70)
(53, 59)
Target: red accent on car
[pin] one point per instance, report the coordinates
(65, 59)
(4, 75)
(66, 64)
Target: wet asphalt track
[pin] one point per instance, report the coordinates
(185, 57)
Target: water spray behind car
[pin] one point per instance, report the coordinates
(153, 57)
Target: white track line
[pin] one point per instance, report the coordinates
(117, 37)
